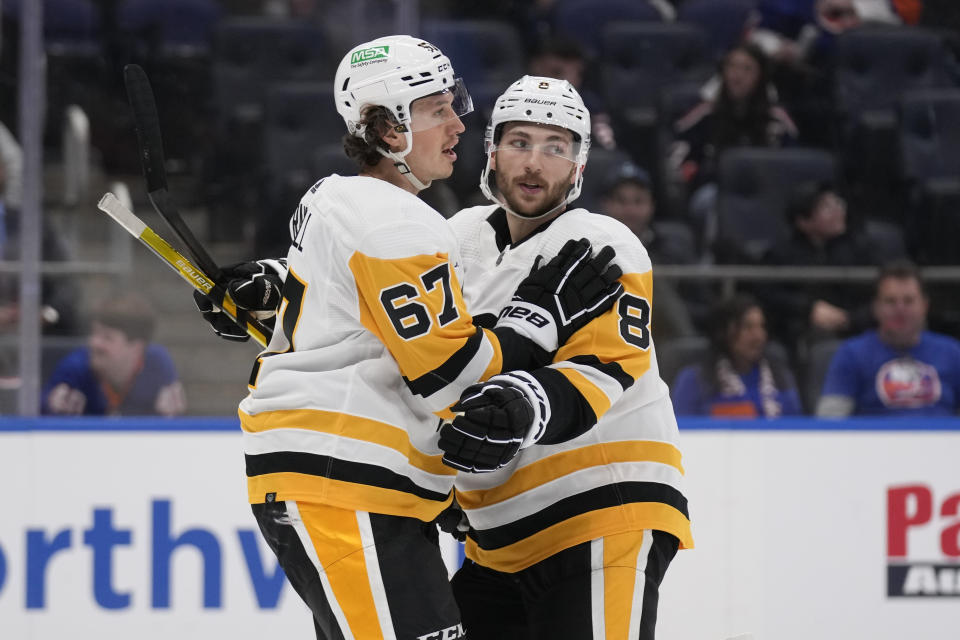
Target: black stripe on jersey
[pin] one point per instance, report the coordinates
(570, 413)
(610, 495)
(612, 369)
(485, 320)
(336, 469)
(435, 380)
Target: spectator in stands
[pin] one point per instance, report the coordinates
(798, 30)
(564, 58)
(119, 372)
(737, 378)
(821, 236)
(900, 368)
(627, 196)
(744, 112)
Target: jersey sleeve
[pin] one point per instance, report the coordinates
(414, 305)
(603, 359)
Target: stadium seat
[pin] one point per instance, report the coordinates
(185, 25)
(486, 51)
(886, 238)
(299, 117)
(874, 67)
(72, 25)
(673, 355)
(930, 134)
(723, 21)
(641, 58)
(586, 20)
(678, 236)
(251, 53)
(675, 101)
(930, 160)
(753, 189)
(75, 65)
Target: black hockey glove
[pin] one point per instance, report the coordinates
(254, 286)
(452, 520)
(559, 298)
(495, 420)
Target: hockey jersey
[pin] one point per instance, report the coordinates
(622, 474)
(372, 338)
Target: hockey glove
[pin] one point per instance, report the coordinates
(559, 298)
(495, 420)
(452, 520)
(254, 286)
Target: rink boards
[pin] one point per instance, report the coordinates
(139, 528)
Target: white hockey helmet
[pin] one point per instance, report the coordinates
(540, 100)
(392, 72)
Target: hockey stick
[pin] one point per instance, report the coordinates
(147, 124)
(192, 274)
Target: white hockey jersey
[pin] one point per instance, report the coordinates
(581, 481)
(371, 338)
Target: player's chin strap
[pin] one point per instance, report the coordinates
(400, 164)
(405, 170)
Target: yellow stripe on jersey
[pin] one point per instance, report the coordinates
(346, 426)
(582, 528)
(560, 464)
(344, 495)
(597, 399)
(622, 334)
(620, 559)
(336, 539)
(415, 307)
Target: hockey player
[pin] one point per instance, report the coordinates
(372, 336)
(572, 537)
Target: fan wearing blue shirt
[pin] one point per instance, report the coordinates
(900, 368)
(119, 372)
(737, 379)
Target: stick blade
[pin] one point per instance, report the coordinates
(147, 124)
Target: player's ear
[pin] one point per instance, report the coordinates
(493, 160)
(394, 139)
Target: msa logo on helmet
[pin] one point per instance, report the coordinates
(369, 55)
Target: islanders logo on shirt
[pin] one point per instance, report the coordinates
(905, 383)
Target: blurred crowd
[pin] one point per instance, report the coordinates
(793, 133)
